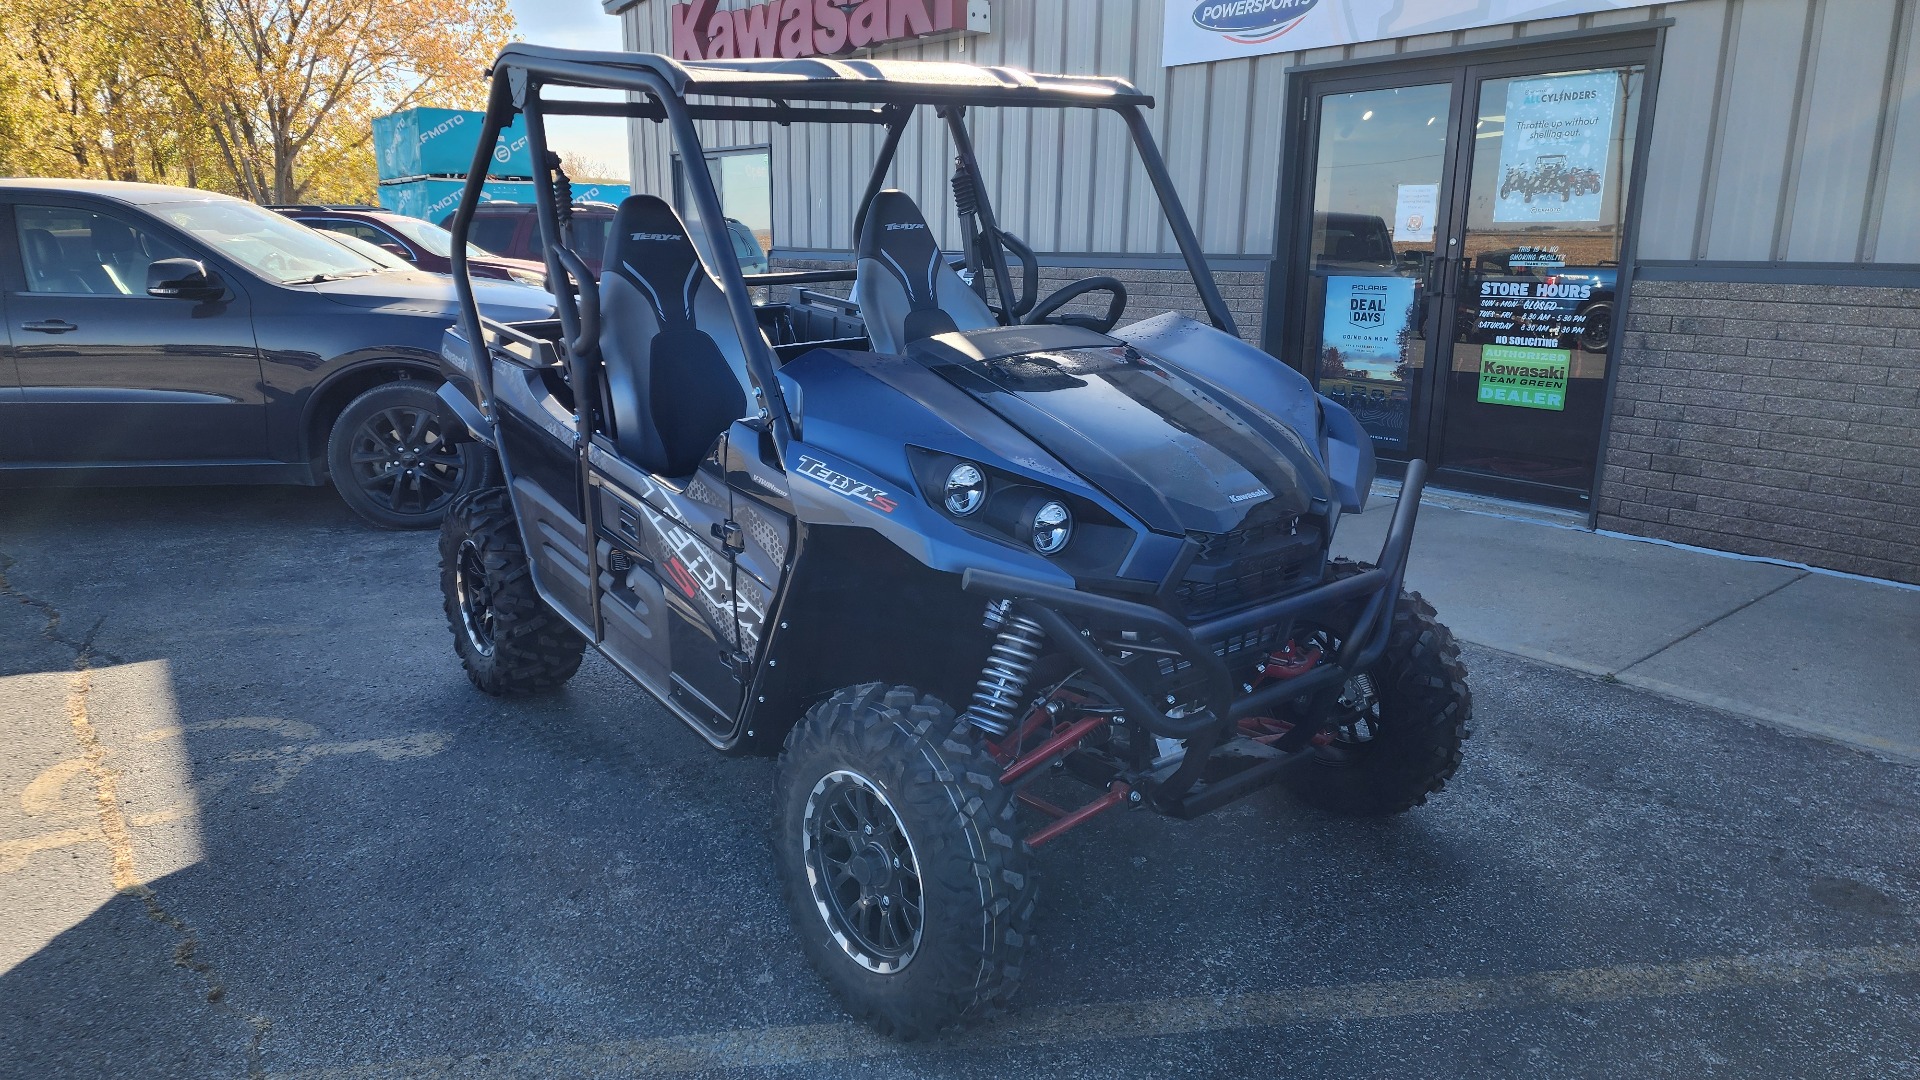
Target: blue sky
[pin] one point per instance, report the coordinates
(577, 24)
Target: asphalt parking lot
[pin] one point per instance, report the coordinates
(254, 821)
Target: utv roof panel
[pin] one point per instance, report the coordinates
(826, 79)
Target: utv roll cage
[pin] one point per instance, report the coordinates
(782, 92)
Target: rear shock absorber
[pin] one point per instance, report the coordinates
(1009, 666)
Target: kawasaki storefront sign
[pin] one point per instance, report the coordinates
(794, 28)
(1224, 29)
(1523, 377)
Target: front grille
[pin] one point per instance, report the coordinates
(1252, 584)
(1259, 561)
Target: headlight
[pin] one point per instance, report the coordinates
(1052, 527)
(966, 489)
(527, 277)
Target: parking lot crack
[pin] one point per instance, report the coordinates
(52, 631)
(112, 818)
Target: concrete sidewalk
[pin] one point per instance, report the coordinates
(1826, 655)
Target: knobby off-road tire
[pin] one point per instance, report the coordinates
(509, 641)
(1419, 721)
(866, 754)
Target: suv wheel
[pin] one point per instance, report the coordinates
(905, 879)
(392, 459)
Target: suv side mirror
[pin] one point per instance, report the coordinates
(183, 279)
(398, 251)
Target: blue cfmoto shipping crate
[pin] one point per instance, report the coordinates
(606, 193)
(433, 199)
(440, 142)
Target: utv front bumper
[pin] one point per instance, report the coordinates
(1077, 623)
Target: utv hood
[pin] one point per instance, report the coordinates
(1183, 455)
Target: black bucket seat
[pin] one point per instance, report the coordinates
(675, 374)
(905, 289)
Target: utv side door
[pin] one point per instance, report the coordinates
(109, 374)
(667, 599)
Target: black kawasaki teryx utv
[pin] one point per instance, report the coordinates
(931, 555)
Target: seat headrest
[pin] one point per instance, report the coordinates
(42, 242)
(649, 246)
(111, 237)
(895, 235)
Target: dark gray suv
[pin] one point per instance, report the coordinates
(163, 335)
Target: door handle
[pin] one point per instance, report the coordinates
(49, 326)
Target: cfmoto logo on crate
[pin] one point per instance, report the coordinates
(1251, 21)
(443, 127)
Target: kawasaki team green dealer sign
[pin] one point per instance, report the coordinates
(1527, 378)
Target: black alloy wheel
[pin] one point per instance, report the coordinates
(867, 877)
(905, 877)
(473, 594)
(394, 459)
(1596, 335)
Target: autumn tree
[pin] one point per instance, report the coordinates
(580, 168)
(77, 98)
(287, 89)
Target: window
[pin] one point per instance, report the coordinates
(494, 232)
(435, 239)
(359, 230)
(590, 233)
(744, 180)
(263, 241)
(80, 251)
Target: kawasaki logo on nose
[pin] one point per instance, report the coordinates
(1256, 493)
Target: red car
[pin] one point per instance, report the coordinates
(422, 243)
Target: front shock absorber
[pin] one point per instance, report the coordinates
(1009, 666)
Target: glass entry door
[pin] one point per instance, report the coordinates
(1462, 264)
(1378, 177)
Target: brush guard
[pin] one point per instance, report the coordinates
(1174, 782)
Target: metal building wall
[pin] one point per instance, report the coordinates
(1785, 130)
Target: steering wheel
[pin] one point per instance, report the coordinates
(1044, 310)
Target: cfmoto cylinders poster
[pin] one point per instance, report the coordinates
(1366, 352)
(1553, 158)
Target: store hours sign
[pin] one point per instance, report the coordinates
(1224, 29)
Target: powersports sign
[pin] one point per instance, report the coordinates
(790, 28)
(1224, 29)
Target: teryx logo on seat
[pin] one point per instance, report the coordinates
(847, 485)
(655, 236)
(896, 226)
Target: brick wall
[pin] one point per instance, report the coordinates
(1149, 292)
(1773, 420)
